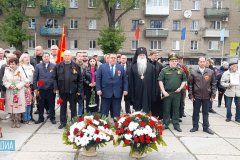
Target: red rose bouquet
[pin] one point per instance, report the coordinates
(142, 132)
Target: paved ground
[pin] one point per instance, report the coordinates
(44, 142)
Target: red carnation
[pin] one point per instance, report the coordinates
(151, 123)
(125, 115)
(141, 139)
(68, 133)
(59, 101)
(161, 128)
(97, 118)
(129, 119)
(126, 141)
(154, 138)
(138, 115)
(149, 115)
(106, 126)
(96, 131)
(147, 137)
(80, 119)
(40, 83)
(136, 140)
(125, 123)
(142, 124)
(160, 133)
(116, 124)
(90, 122)
(129, 132)
(117, 132)
(118, 118)
(147, 141)
(121, 130)
(75, 131)
(97, 140)
(81, 134)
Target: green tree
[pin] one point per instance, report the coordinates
(111, 39)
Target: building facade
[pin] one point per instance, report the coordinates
(160, 21)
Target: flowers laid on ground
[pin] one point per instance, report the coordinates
(142, 132)
(90, 131)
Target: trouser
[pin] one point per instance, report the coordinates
(220, 96)
(228, 104)
(80, 106)
(197, 103)
(26, 116)
(157, 108)
(47, 98)
(71, 98)
(182, 103)
(113, 104)
(172, 102)
(127, 106)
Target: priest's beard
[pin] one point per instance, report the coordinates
(141, 65)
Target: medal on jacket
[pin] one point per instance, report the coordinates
(142, 77)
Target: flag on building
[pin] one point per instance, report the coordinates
(183, 33)
(62, 46)
(222, 34)
(137, 31)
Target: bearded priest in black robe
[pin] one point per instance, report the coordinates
(141, 81)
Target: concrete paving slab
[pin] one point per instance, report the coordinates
(234, 142)
(227, 132)
(47, 142)
(217, 157)
(25, 128)
(49, 128)
(218, 146)
(7, 155)
(220, 121)
(44, 156)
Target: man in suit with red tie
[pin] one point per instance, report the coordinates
(111, 84)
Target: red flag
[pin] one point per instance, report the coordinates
(137, 31)
(62, 46)
(1, 104)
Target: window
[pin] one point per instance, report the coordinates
(215, 25)
(92, 24)
(92, 44)
(32, 23)
(216, 4)
(177, 4)
(51, 23)
(30, 3)
(31, 43)
(194, 25)
(155, 24)
(134, 44)
(176, 45)
(118, 5)
(52, 42)
(137, 4)
(73, 4)
(176, 25)
(213, 45)
(152, 3)
(135, 23)
(196, 5)
(73, 24)
(155, 44)
(48, 2)
(73, 44)
(194, 45)
(92, 3)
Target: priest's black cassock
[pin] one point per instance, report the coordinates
(141, 86)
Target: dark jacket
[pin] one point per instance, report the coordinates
(75, 77)
(45, 74)
(35, 60)
(88, 78)
(2, 71)
(202, 86)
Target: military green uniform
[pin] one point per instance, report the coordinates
(172, 79)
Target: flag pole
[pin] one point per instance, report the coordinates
(183, 47)
(222, 50)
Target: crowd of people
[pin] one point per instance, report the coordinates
(91, 86)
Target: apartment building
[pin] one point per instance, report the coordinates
(160, 22)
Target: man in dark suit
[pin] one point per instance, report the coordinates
(69, 84)
(111, 84)
(126, 67)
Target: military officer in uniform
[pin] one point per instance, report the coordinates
(172, 79)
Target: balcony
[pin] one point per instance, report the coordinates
(159, 10)
(214, 33)
(50, 10)
(216, 12)
(156, 33)
(45, 31)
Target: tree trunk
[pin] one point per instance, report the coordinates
(19, 47)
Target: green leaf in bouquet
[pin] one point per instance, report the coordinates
(154, 146)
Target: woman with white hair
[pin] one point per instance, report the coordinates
(27, 70)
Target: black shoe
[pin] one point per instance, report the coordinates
(47, 111)
(165, 127)
(209, 131)
(33, 120)
(194, 129)
(212, 111)
(48, 116)
(178, 129)
(184, 115)
(228, 119)
(219, 105)
(237, 120)
(61, 126)
(36, 112)
(53, 121)
(179, 120)
(39, 121)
